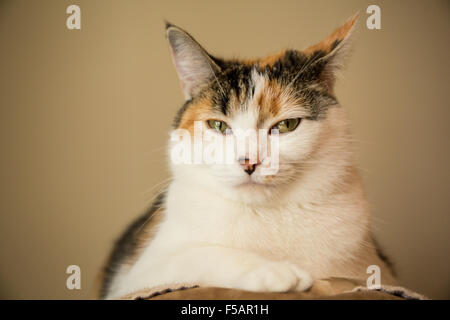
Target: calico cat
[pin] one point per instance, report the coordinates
(232, 226)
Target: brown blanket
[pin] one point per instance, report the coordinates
(334, 288)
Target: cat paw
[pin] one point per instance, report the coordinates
(275, 277)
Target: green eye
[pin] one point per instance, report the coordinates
(287, 125)
(217, 125)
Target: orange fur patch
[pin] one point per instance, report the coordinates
(340, 34)
(269, 101)
(264, 62)
(197, 111)
(270, 60)
(147, 233)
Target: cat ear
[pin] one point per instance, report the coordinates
(194, 65)
(330, 54)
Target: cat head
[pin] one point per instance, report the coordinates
(289, 96)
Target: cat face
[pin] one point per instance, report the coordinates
(280, 108)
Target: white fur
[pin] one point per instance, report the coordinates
(309, 221)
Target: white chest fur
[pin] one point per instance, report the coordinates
(314, 237)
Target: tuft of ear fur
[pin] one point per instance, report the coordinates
(194, 65)
(332, 52)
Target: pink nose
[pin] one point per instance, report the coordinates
(247, 166)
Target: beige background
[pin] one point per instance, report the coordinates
(84, 116)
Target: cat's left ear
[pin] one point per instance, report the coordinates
(194, 65)
(331, 53)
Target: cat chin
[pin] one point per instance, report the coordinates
(250, 193)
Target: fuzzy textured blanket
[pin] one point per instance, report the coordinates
(333, 288)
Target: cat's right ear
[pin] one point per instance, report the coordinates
(194, 66)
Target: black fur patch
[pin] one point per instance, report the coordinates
(126, 245)
(179, 115)
(383, 256)
(294, 69)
